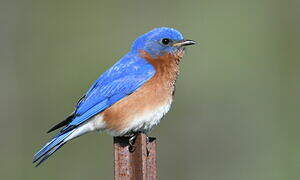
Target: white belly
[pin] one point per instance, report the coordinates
(144, 122)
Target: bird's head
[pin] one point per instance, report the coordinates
(160, 41)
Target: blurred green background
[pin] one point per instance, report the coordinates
(236, 112)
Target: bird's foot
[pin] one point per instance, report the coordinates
(131, 142)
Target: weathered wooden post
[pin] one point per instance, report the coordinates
(137, 163)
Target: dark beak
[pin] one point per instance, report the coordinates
(185, 42)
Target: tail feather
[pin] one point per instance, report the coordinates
(62, 123)
(53, 145)
(49, 153)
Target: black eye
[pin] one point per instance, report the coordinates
(165, 41)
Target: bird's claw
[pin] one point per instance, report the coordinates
(131, 142)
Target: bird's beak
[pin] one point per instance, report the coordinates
(185, 42)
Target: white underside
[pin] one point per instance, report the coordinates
(93, 124)
(144, 122)
(141, 122)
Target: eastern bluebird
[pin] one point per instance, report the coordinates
(132, 96)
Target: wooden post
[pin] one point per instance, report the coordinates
(137, 163)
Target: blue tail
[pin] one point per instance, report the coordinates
(53, 145)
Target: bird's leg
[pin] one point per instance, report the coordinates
(132, 138)
(131, 141)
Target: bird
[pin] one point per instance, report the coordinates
(130, 97)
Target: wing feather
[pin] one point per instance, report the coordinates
(122, 79)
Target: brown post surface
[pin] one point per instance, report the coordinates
(138, 163)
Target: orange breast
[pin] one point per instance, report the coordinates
(156, 92)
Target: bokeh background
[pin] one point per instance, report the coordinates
(236, 112)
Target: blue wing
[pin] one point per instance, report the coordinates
(119, 81)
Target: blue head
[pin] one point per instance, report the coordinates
(160, 41)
